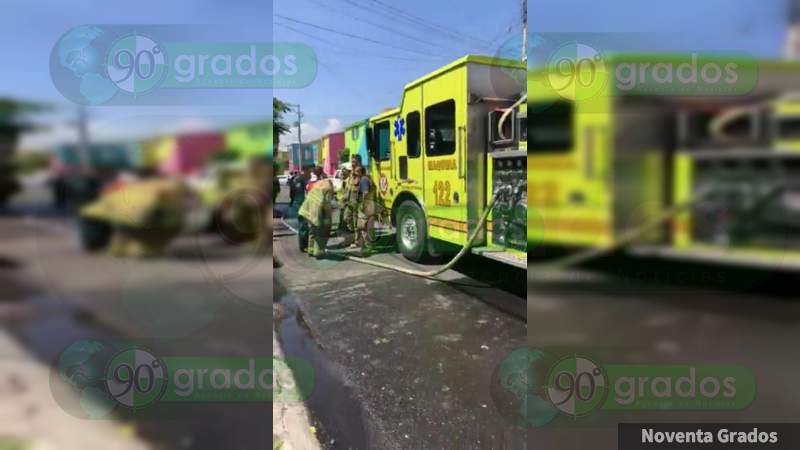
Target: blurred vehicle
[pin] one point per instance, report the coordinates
(709, 174)
(138, 218)
(234, 193)
(78, 175)
(283, 179)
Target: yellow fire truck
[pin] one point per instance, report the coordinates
(700, 154)
(440, 157)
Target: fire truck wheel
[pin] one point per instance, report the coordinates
(412, 231)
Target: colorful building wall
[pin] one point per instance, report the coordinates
(324, 149)
(250, 140)
(300, 157)
(192, 152)
(317, 146)
(111, 156)
(333, 144)
(156, 151)
(355, 140)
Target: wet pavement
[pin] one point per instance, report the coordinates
(203, 298)
(655, 312)
(405, 362)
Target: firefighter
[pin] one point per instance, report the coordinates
(290, 183)
(350, 198)
(317, 212)
(276, 184)
(341, 197)
(298, 190)
(367, 206)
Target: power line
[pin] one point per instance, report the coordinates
(431, 25)
(353, 36)
(376, 25)
(351, 51)
(392, 16)
(503, 34)
(356, 92)
(432, 29)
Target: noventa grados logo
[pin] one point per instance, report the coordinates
(136, 64)
(130, 64)
(104, 376)
(577, 386)
(136, 378)
(532, 388)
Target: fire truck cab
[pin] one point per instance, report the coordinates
(439, 157)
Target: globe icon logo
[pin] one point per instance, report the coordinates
(78, 65)
(518, 388)
(81, 367)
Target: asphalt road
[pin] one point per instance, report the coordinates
(402, 362)
(203, 298)
(616, 311)
(640, 311)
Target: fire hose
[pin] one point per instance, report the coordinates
(433, 273)
(506, 114)
(464, 250)
(627, 238)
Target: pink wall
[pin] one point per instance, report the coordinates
(336, 146)
(192, 152)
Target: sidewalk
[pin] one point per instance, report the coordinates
(291, 426)
(31, 419)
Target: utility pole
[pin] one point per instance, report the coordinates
(792, 49)
(525, 31)
(301, 152)
(299, 127)
(84, 155)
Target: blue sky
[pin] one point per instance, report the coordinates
(355, 78)
(32, 27)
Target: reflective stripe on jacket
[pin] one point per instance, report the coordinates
(316, 208)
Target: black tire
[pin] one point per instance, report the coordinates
(236, 220)
(412, 232)
(95, 235)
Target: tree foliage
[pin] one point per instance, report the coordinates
(13, 112)
(279, 110)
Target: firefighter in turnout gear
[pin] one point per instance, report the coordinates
(298, 191)
(350, 198)
(367, 205)
(317, 211)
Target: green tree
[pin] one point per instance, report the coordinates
(279, 126)
(13, 121)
